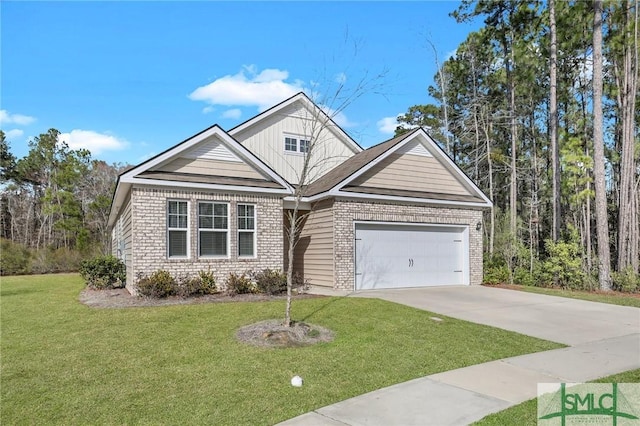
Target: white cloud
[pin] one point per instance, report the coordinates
(248, 88)
(208, 109)
(95, 142)
(22, 120)
(341, 78)
(339, 117)
(388, 125)
(13, 134)
(234, 113)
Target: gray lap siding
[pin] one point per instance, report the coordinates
(346, 212)
(149, 223)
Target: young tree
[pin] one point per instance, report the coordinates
(316, 128)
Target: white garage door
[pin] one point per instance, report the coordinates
(394, 256)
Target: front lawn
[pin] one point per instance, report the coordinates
(613, 297)
(66, 363)
(526, 413)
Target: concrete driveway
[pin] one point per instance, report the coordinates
(559, 319)
(603, 340)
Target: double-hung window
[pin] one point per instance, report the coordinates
(177, 229)
(213, 229)
(246, 230)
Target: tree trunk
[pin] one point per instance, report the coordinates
(602, 222)
(627, 222)
(553, 124)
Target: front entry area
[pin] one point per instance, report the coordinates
(392, 255)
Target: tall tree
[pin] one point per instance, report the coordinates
(602, 222)
(553, 121)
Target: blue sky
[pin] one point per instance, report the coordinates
(127, 80)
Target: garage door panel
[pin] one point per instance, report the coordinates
(393, 256)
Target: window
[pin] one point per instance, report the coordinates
(294, 144)
(213, 229)
(304, 145)
(290, 144)
(246, 230)
(177, 229)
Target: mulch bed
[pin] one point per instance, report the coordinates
(121, 298)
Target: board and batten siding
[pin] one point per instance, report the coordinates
(412, 173)
(266, 140)
(314, 251)
(201, 166)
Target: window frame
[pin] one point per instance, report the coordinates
(214, 230)
(246, 231)
(297, 139)
(187, 230)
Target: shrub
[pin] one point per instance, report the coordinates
(102, 272)
(564, 265)
(159, 284)
(200, 285)
(627, 281)
(239, 284)
(207, 282)
(270, 282)
(15, 258)
(52, 260)
(496, 270)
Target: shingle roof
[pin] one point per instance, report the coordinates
(352, 165)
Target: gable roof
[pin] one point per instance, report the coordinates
(352, 165)
(310, 106)
(336, 182)
(144, 174)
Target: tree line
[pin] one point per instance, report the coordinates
(54, 205)
(540, 107)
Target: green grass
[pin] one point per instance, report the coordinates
(526, 413)
(615, 298)
(66, 363)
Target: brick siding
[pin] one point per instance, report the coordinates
(149, 222)
(346, 212)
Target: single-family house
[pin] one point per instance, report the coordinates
(398, 214)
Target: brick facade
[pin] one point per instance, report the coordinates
(149, 223)
(346, 212)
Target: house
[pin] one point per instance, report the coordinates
(398, 214)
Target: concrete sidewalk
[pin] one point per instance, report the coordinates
(605, 339)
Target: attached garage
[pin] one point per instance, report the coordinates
(394, 255)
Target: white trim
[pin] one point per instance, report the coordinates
(255, 230)
(451, 166)
(392, 198)
(187, 230)
(214, 230)
(466, 243)
(230, 143)
(216, 187)
(311, 107)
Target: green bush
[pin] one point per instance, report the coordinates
(239, 284)
(269, 281)
(102, 272)
(15, 259)
(627, 281)
(563, 266)
(157, 285)
(496, 270)
(203, 284)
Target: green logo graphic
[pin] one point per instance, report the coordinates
(590, 403)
